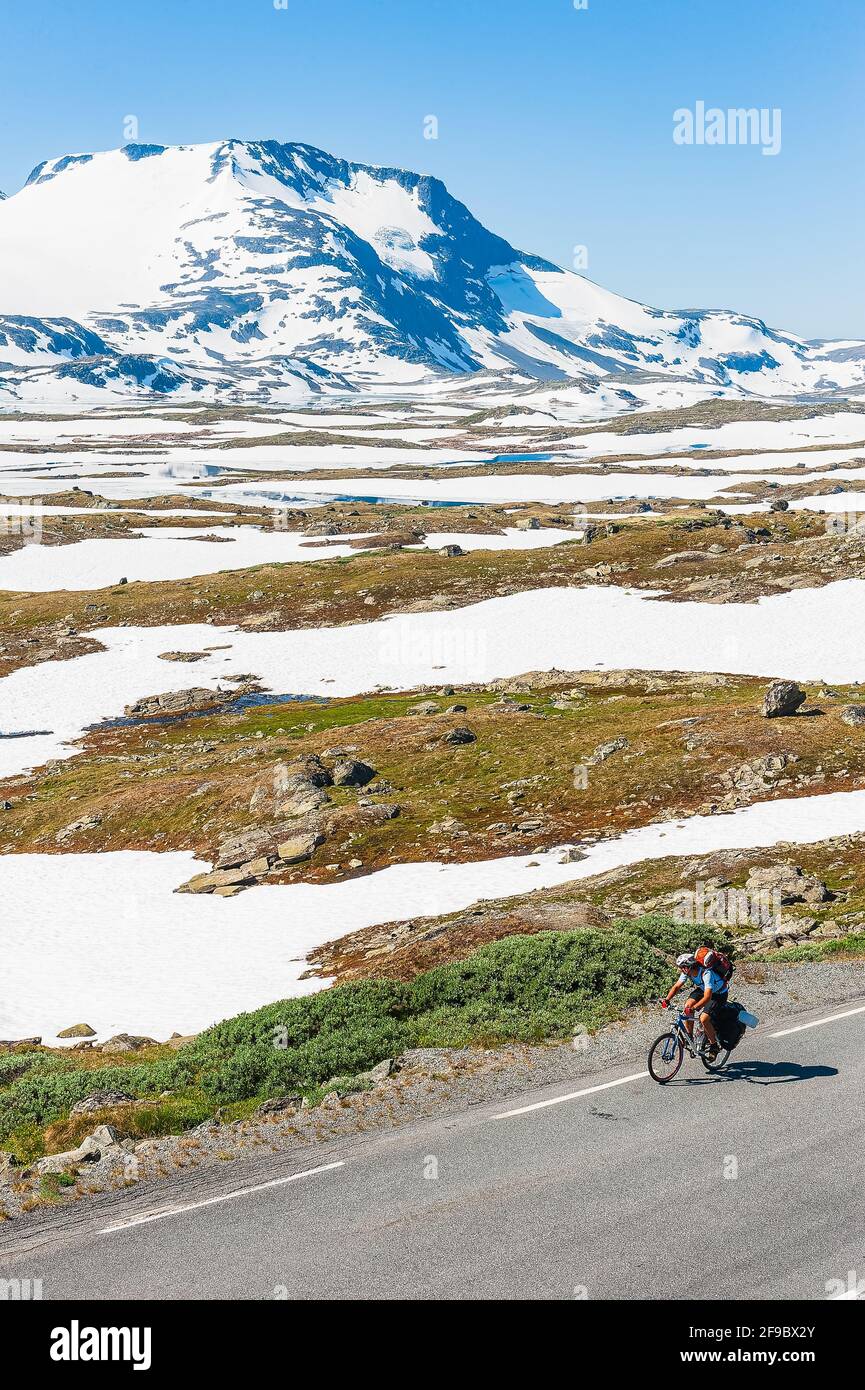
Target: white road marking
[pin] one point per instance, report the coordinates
(800, 1028)
(225, 1197)
(572, 1095)
(848, 1294)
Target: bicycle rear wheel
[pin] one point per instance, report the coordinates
(665, 1058)
(720, 1061)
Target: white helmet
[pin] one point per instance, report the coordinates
(686, 960)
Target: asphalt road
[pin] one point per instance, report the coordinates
(747, 1185)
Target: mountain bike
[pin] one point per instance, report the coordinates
(667, 1051)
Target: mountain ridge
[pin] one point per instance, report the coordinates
(272, 271)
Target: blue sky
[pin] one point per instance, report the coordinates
(555, 124)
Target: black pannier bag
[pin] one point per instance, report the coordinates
(730, 1027)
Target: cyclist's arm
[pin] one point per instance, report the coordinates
(675, 990)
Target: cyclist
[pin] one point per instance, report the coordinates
(707, 997)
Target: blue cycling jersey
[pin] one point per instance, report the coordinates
(709, 979)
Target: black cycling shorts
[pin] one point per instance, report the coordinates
(715, 1003)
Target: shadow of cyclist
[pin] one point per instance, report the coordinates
(765, 1073)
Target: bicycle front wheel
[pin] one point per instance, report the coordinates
(665, 1058)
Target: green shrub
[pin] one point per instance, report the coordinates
(15, 1064)
(674, 937)
(330, 1011)
(43, 1096)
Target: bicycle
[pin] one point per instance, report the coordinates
(667, 1051)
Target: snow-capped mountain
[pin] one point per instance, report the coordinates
(274, 270)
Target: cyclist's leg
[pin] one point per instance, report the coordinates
(708, 1022)
(689, 1018)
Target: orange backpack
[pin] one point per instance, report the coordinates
(709, 959)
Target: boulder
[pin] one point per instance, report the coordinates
(459, 736)
(101, 1100)
(245, 848)
(278, 1104)
(296, 795)
(244, 859)
(220, 880)
(76, 827)
(127, 1042)
(529, 523)
(256, 868)
(174, 702)
(78, 1030)
(299, 848)
(103, 1139)
(448, 826)
(782, 699)
(310, 768)
(64, 1162)
(351, 772)
(296, 789)
(378, 813)
(788, 882)
(425, 707)
(854, 715)
(606, 750)
(451, 551)
(572, 854)
(683, 557)
(758, 774)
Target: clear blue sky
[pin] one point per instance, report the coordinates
(555, 125)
